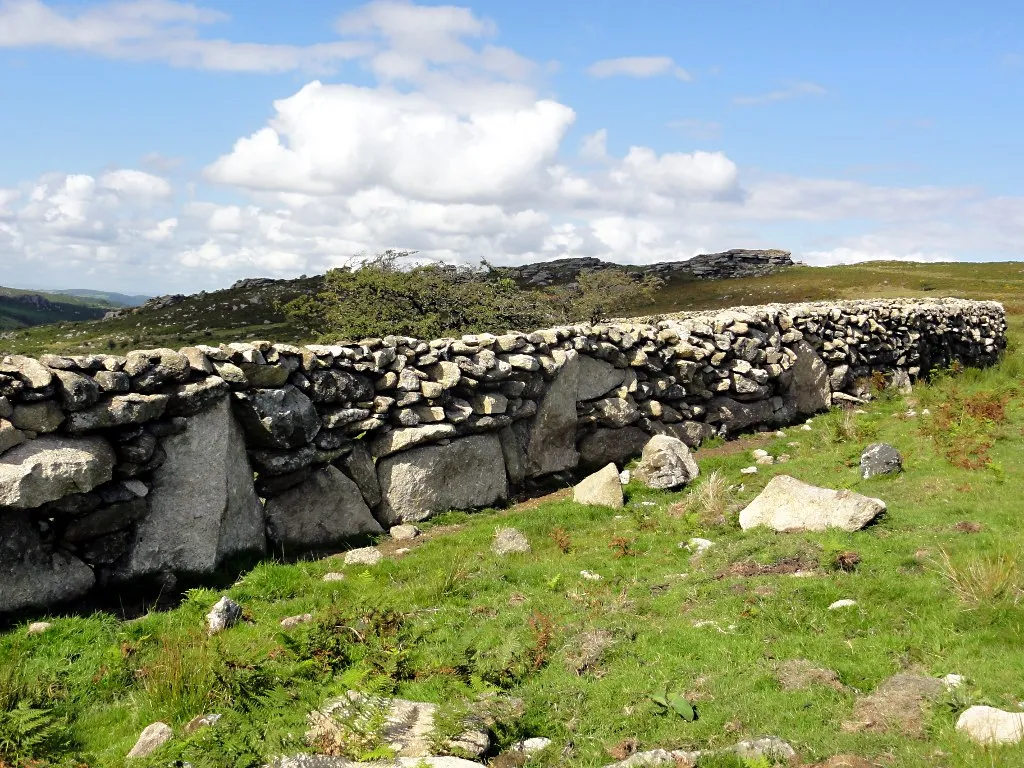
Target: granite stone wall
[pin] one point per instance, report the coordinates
(163, 462)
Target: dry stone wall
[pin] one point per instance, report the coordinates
(163, 463)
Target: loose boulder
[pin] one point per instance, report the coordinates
(202, 506)
(602, 489)
(466, 473)
(988, 725)
(880, 459)
(787, 504)
(666, 463)
(324, 509)
(51, 467)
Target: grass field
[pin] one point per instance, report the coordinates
(752, 647)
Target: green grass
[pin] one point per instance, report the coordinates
(450, 620)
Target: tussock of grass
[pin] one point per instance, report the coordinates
(987, 581)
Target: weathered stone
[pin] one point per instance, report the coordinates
(467, 473)
(808, 388)
(597, 378)
(880, 459)
(510, 541)
(151, 739)
(76, 391)
(786, 504)
(224, 615)
(105, 520)
(32, 575)
(40, 417)
(616, 412)
(113, 381)
(358, 465)
(551, 438)
(119, 411)
(734, 416)
(190, 399)
(50, 467)
(988, 725)
(693, 433)
(32, 372)
(601, 489)
(323, 510)
(409, 437)
(282, 462)
(404, 532)
(489, 403)
(277, 418)
(666, 464)
(363, 556)
(618, 446)
(202, 506)
(9, 436)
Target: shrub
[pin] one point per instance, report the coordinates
(379, 297)
(601, 294)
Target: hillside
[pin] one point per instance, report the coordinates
(247, 310)
(110, 297)
(23, 308)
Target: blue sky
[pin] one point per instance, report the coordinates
(524, 131)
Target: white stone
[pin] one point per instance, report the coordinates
(224, 615)
(531, 746)
(603, 488)
(844, 603)
(748, 471)
(363, 556)
(404, 532)
(988, 725)
(624, 477)
(787, 504)
(590, 575)
(698, 545)
(151, 739)
(334, 576)
(509, 541)
(38, 627)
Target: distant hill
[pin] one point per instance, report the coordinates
(117, 299)
(23, 309)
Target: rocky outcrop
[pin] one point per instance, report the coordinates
(155, 463)
(706, 266)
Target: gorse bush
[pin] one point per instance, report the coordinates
(380, 297)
